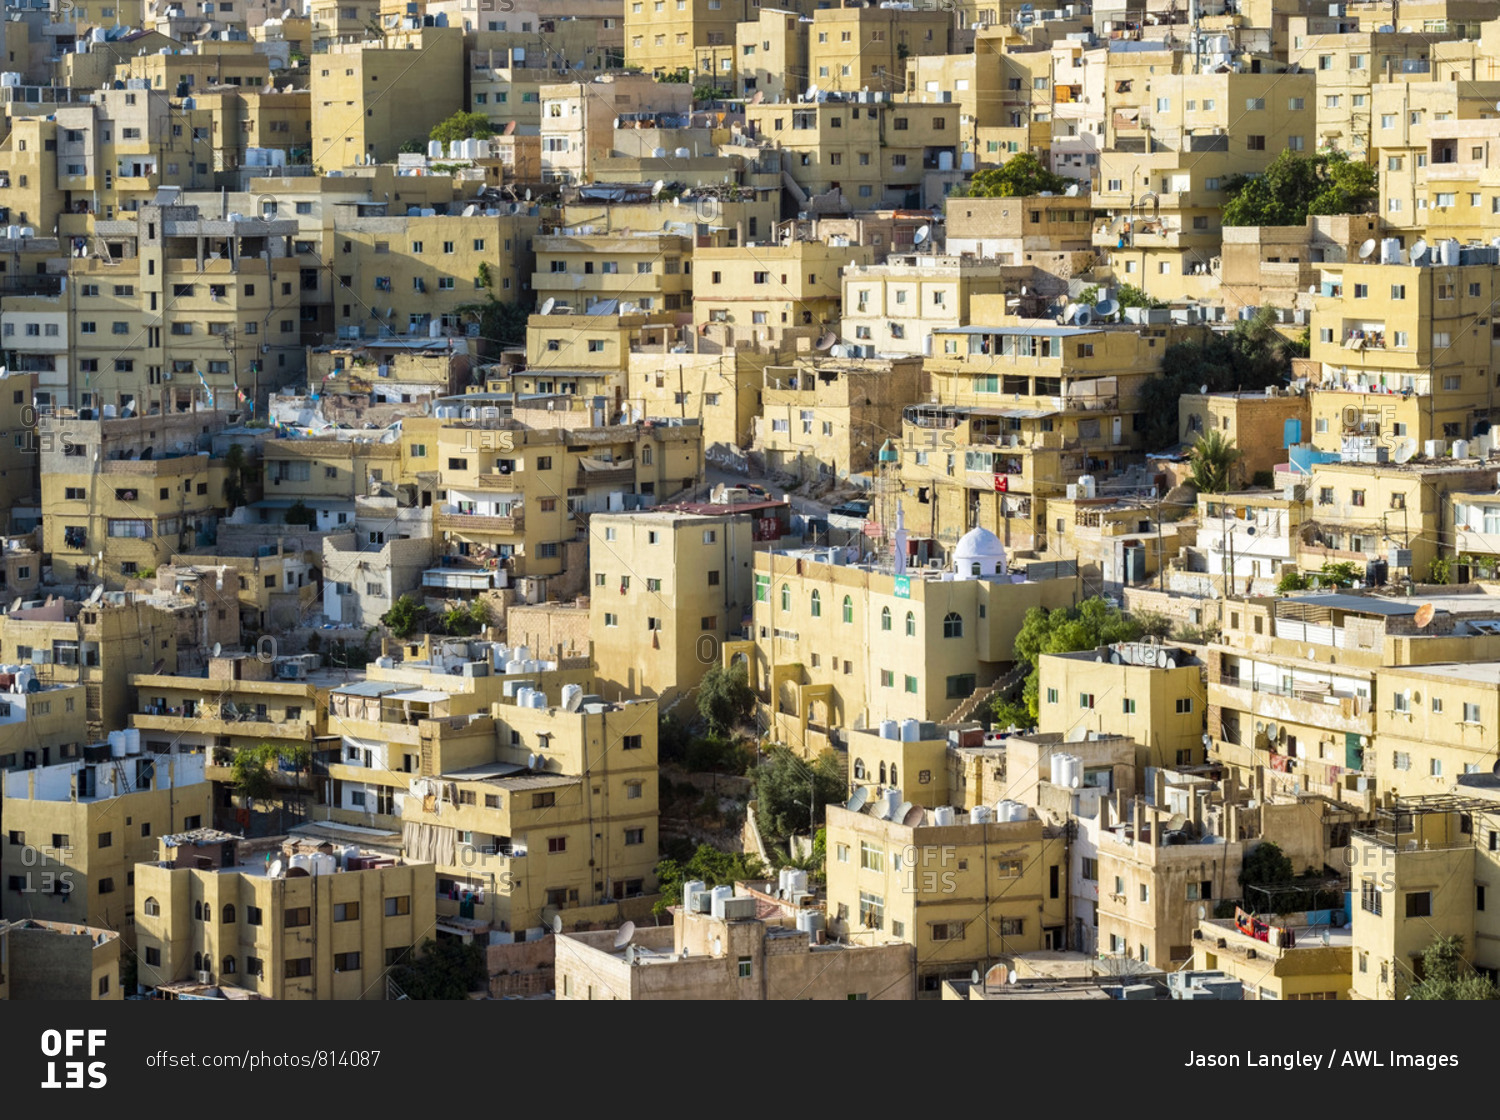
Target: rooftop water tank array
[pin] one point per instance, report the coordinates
(889, 729)
(1066, 771)
(980, 814)
(911, 730)
(1006, 811)
(942, 816)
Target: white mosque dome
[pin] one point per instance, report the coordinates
(979, 553)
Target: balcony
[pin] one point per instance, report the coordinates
(249, 728)
(498, 480)
(478, 523)
(1263, 702)
(606, 477)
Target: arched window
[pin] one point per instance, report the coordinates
(786, 597)
(974, 569)
(885, 618)
(197, 962)
(817, 605)
(848, 610)
(882, 773)
(197, 911)
(228, 966)
(859, 769)
(229, 915)
(894, 779)
(911, 624)
(953, 625)
(153, 908)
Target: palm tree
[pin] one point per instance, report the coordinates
(1213, 457)
(234, 477)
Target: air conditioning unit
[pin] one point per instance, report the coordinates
(205, 977)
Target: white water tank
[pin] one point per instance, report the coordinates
(942, 816)
(1460, 449)
(1433, 449)
(684, 153)
(1086, 486)
(303, 861)
(515, 665)
(569, 692)
(889, 729)
(523, 653)
(1072, 774)
(892, 803)
(538, 699)
(1448, 253)
(796, 881)
(1055, 769)
(980, 814)
(1390, 250)
(117, 744)
(945, 161)
(348, 854)
(323, 864)
(133, 740)
(1010, 811)
(523, 697)
(434, 149)
(911, 730)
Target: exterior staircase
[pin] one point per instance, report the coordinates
(981, 696)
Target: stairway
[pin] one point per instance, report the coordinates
(968, 707)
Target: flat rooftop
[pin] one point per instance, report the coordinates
(1481, 672)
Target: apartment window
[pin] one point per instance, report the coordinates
(346, 911)
(297, 966)
(745, 968)
(398, 905)
(1008, 868)
(1085, 699)
(911, 684)
(1471, 713)
(635, 836)
(1419, 904)
(1255, 143)
(299, 916)
(947, 931)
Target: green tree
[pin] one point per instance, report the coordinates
(299, 514)
(234, 477)
(1128, 295)
(1213, 459)
(785, 787)
(462, 126)
(1291, 581)
(251, 768)
(1066, 630)
(1294, 186)
(1018, 177)
(447, 969)
(1247, 358)
(1153, 624)
(1265, 868)
(503, 323)
(404, 617)
(725, 698)
(1011, 713)
(708, 865)
(1447, 975)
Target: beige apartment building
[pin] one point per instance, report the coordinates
(367, 101)
(831, 418)
(76, 830)
(934, 636)
(770, 294)
(896, 306)
(670, 585)
(962, 889)
(291, 920)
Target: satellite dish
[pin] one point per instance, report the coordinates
(548, 913)
(827, 340)
(275, 870)
(1207, 739)
(218, 648)
(1083, 316)
(1023, 289)
(1070, 311)
(527, 195)
(974, 976)
(630, 954)
(758, 97)
(1366, 249)
(922, 234)
(1424, 615)
(839, 352)
(574, 702)
(1273, 731)
(622, 938)
(548, 305)
(812, 92)
(1405, 449)
(656, 187)
(1203, 390)
(510, 128)
(1202, 912)
(857, 800)
(531, 761)
(1418, 251)
(913, 816)
(1013, 978)
(557, 923)
(1105, 308)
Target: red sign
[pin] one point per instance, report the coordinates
(1002, 483)
(873, 529)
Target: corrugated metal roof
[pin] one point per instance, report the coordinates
(1368, 604)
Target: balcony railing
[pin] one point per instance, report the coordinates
(478, 523)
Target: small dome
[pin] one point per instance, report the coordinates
(979, 553)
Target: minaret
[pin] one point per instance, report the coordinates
(900, 544)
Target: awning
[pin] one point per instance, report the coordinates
(605, 465)
(419, 696)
